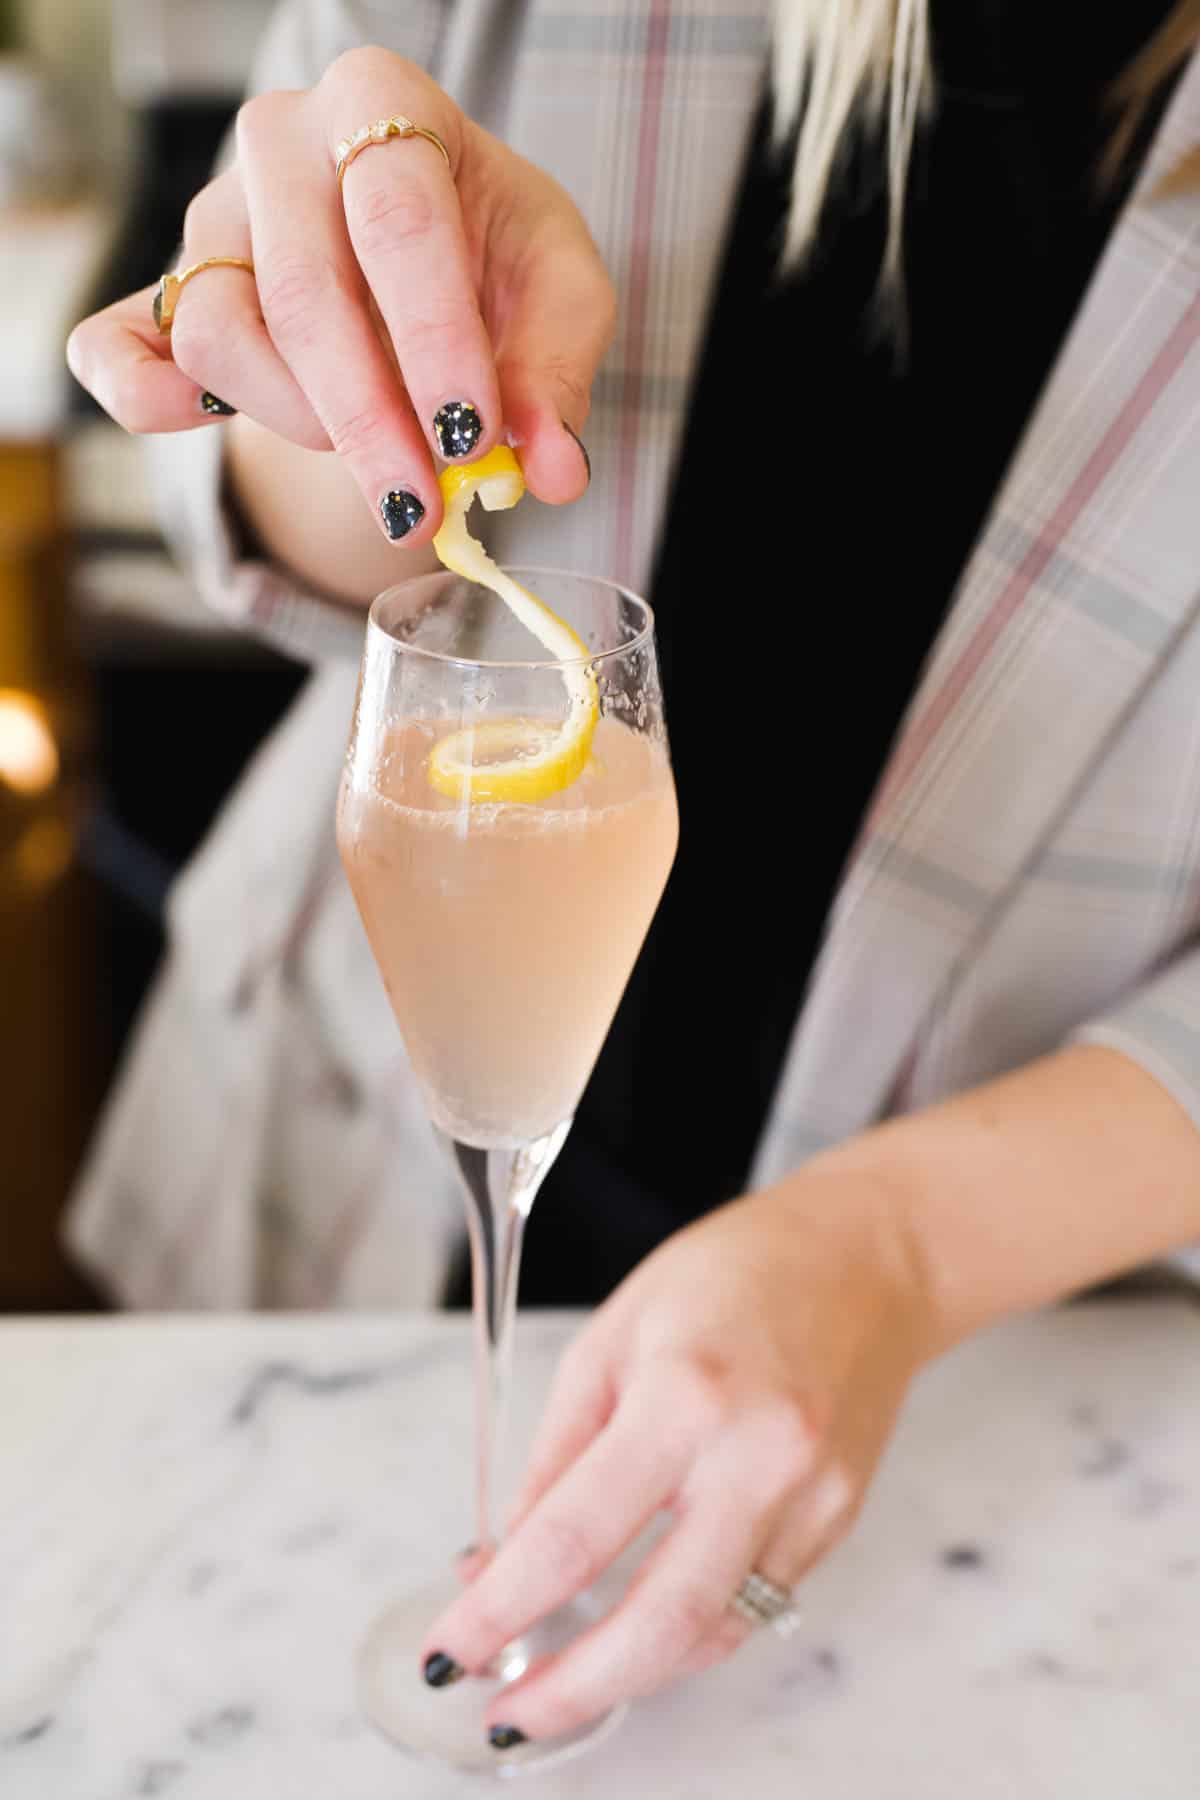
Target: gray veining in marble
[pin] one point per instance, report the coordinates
(198, 1518)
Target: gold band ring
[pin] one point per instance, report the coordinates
(166, 298)
(379, 133)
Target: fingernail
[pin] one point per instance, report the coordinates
(587, 461)
(442, 1670)
(216, 408)
(458, 427)
(506, 1737)
(402, 513)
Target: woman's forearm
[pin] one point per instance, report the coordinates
(1024, 1190)
(304, 510)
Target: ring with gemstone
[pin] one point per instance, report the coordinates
(761, 1601)
(166, 295)
(379, 133)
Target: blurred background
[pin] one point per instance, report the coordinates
(113, 760)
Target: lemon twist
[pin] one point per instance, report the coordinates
(513, 759)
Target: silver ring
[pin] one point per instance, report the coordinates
(762, 1602)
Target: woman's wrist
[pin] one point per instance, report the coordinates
(851, 1209)
(1023, 1191)
(882, 1179)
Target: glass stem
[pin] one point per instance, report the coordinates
(500, 1187)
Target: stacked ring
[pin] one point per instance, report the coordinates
(379, 133)
(762, 1602)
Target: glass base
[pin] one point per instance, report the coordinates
(446, 1724)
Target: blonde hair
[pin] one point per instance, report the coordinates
(836, 63)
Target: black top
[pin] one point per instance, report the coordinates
(828, 496)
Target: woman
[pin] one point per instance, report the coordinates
(992, 1092)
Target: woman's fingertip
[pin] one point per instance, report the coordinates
(458, 428)
(582, 447)
(401, 511)
(440, 1670)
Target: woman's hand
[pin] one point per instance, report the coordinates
(744, 1380)
(423, 311)
(746, 1377)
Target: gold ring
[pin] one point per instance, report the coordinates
(166, 298)
(379, 133)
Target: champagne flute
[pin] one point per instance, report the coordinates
(505, 931)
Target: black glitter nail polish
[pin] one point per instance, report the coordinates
(441, 1670)
(402, 513)
(218, 409)
(458, 427)
(506, 1737)
(587, 461)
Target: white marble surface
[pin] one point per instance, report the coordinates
(199, 1517)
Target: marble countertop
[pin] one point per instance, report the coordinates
(199, 1517)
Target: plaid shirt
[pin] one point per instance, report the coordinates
(1029, 872)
